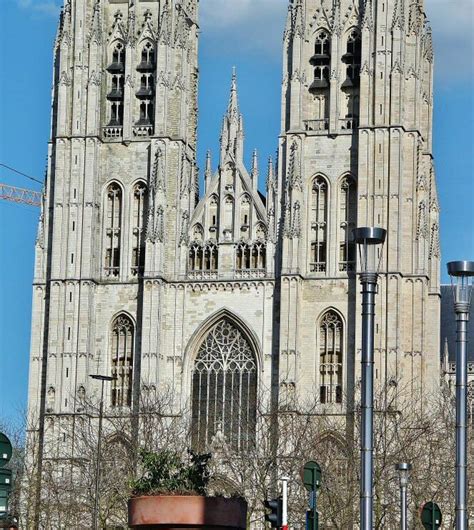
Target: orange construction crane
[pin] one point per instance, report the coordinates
(20, 195)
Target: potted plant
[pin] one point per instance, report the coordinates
(172, 494)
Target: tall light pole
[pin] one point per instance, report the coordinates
(404, 471)
(462, 273)
(95, 515)
(369, 241)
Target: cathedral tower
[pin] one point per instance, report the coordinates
(356, 150)
(230, 302)
(121, 168)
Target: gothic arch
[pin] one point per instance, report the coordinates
(224, 387)
(138, 181)
(331, 355)
(200, 333)
(312, 178)
(112, 229)
(318, 223)
(122, 346)
(346, 208)
(334, 438)
(334, 310)
(319, 29)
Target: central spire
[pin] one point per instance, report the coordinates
(233, 108)
(232, 137)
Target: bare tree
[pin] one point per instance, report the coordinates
(305, 431)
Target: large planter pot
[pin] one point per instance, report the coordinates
(173, 512)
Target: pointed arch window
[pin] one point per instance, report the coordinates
(138, 239)
(122, 357)
(330, 358)
(203, 257)
(113, 224)
(251, 256)
(115, 95)
(319, 202)
(224, 389)
(348, 219)
(352, 58)
(321, 61)
(146, 92)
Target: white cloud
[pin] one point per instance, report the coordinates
(256, 26)
(453, 34)
(45, 7)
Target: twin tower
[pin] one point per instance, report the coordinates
(224, 296)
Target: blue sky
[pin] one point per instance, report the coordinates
(244, 33)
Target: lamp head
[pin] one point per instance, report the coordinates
(369, 239)
(403, 469)
(462, 278)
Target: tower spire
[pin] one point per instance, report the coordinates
(255, 171)
(233, 108)
(232, 137)
(208, 172)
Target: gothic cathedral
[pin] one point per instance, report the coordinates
(226, 297)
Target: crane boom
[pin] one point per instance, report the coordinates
(20, 195)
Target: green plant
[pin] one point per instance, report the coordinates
(169, 472)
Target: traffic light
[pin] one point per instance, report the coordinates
(275, 517)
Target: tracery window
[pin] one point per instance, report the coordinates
(251, 256)
(117, 81)
(321, 61)
(352, 58)
(330, 358)
(347, 223)
(203, 257)
(122, 352)
(113, 224)
(224, 389)
(146, 92)
(138, 241)
(319, 199)
(350, 87)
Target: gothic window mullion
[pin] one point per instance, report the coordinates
(230, 404)
(330, 347)
(122, 353)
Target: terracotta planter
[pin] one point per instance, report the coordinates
(172, 512)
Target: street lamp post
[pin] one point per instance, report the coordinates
(102, 379)
(462, 273)
(369, 241)
(404, 471)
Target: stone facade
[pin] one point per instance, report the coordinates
(124, 234)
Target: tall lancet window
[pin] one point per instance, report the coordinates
(113, 224)
(330, 358)
(321, 64)
(146, 92)
(319, 201)
(115, 95)
(224, 391)
(138, 210)
(347, 222)
(122, 350)
(350, 86)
